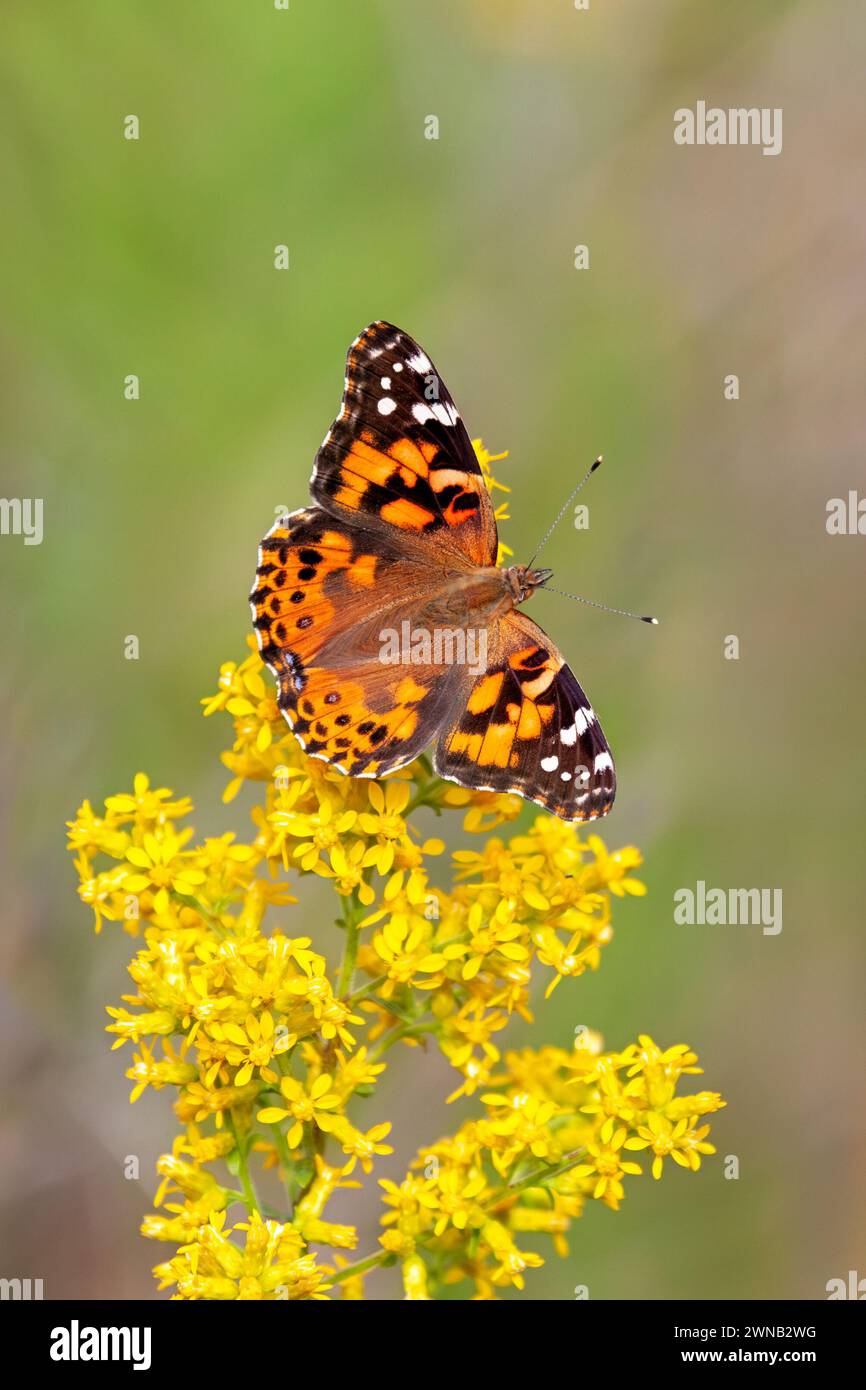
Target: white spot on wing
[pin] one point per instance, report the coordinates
(386, 383)
(422, 413)
(420, 363)
(603, 761)
(568, 735)
(386, 405)
(550, 764)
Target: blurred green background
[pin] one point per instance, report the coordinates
(155, 257)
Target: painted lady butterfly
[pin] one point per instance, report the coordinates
(401, 539)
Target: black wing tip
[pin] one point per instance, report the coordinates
(377, 326)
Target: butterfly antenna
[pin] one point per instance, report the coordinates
(623, 612)
(565, 506)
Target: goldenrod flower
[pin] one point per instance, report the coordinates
(605, 1164)
(680, 1141)
(271, 1266)
(385, 822)
(304, 1107)
(360, 1147)
(146, 1070)
(318, 832)
(90, 835)
(511, 1261)
(457, 1195)
(147, 807)
(247, 1046)
(163, 868)
(413, 1204)
(346, 870)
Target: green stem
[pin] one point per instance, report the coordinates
(540, 1176)
(213, 922)
(350, 950)
(361, 1266)
(286, 1165)
(266, 1210)
(242, 1148)
(364, 990)
(414, 1029)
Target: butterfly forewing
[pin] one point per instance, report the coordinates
(398, 454)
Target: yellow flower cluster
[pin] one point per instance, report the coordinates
(272, 1050)
(558, 1131)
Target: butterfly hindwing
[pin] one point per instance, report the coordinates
(368, 720)
(527, 727)
(398, 455)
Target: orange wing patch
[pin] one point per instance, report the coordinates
(529, 724)
(404, 463)
(496, 745)
(407, 515)
(414, 458)
(363, 571)
(291, 608)
(486, 693)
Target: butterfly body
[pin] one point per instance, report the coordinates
(386, 621)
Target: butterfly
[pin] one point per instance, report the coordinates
(386, 622)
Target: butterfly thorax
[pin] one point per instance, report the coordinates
(484, 594)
